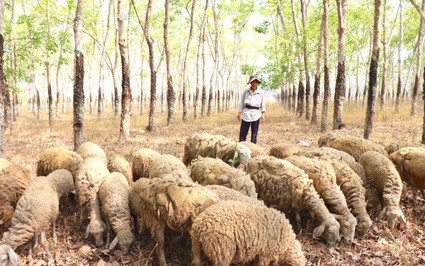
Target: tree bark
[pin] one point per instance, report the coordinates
(385, 63)
(419, 48)
(340, 78)
(373, 73)
(2, 87)
(171, 98)
(400, 63)
(149, 40)
(305, 54)
(49, 82)
(316, 92)
(326, 89)
(78, 100)
(423, 98)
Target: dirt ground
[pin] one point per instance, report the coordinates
(403, 245)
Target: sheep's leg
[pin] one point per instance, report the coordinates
(159, 237)
(196, 253)
(35, 242)
(423, 193)
(55, 238)
(108, 234)
(43, 242)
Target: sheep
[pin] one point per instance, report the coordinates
(352, 186)
(216, 146)
(141, 162)
(13, 181)
(225, 193)
(395, 146)
(52, 159)
(251, 232)
(409, 162)
(324, 182)
(356, 146)
(281, 184)
(326, 139)
(35, 211)
(281, 150)
(256, 150)
(114, 200)
(384, 176)
(119, 164)
(167, 164)
(89, 178)
(210, 171)
(89, 149)
(329, 154)
(173, 202)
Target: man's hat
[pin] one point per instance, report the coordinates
(252, 78)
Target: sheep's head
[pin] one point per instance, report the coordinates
(392, 214)
(244, 154)
(125, 238)
(329, 230)
(364, 223)
(348, 225)
(7, 255)
(96, 228)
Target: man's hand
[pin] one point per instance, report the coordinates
(263, 117)
(239, 116)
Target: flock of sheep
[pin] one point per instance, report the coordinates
(232, 199)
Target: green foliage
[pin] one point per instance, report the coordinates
(263, 28)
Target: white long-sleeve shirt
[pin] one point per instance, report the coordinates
(254, 99)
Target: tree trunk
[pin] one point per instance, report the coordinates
(373, 74)
(185, 62)
(305, 54)
(125, 80)
(78, 101)
(316, 92)
(326, 89)
(2, 86)
(171, 98)
(419, 47)
(400, 63)
(385, 63)
(203, 40)
(149, 40)
(49, 82)
(423, 98)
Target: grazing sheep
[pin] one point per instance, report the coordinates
(89, 178)
(13, 181)
(225, 193)
(281, 184)
(324, 182)
(331, 154)
(173, 202)
(135, 205)
(215, 146)
(141, 162)
(251, 232)
(114, 200)
(281, 150)
(58, 158)
(356, 146)
(211, 171)
(119, 164)
(35, 211)
(167, 164)
(89, 149)
(410, 164)
(395, 146)
(256, 150)
(352, 186)
(384, 176)
(326, 139)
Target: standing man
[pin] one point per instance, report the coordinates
(252, 109)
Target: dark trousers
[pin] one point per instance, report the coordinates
(245, 128)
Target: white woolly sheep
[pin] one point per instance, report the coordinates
(225, 193)
(256, 150)
(52, 159)
(89, 149)
(215, 146)
(167, 164)
(114, 200)
(326, 139)
(212, 171)
(324, 182)
(13, 181)
(141, 162)
(356, 146)
(331, 154)
(89, 178)
(35, 211)
(283, 150)
(410, 164)
(395, 146)
(384, 176)
(173, 202)
(279, 183)
(251, 232)
(118, 163)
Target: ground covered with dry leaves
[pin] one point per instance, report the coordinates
(403, 245)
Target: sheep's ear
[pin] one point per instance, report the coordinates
(401, 216)
(113, 243)
(14, 258)
(318, 231)
(87, 231)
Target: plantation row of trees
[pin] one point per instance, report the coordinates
(199, 54)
